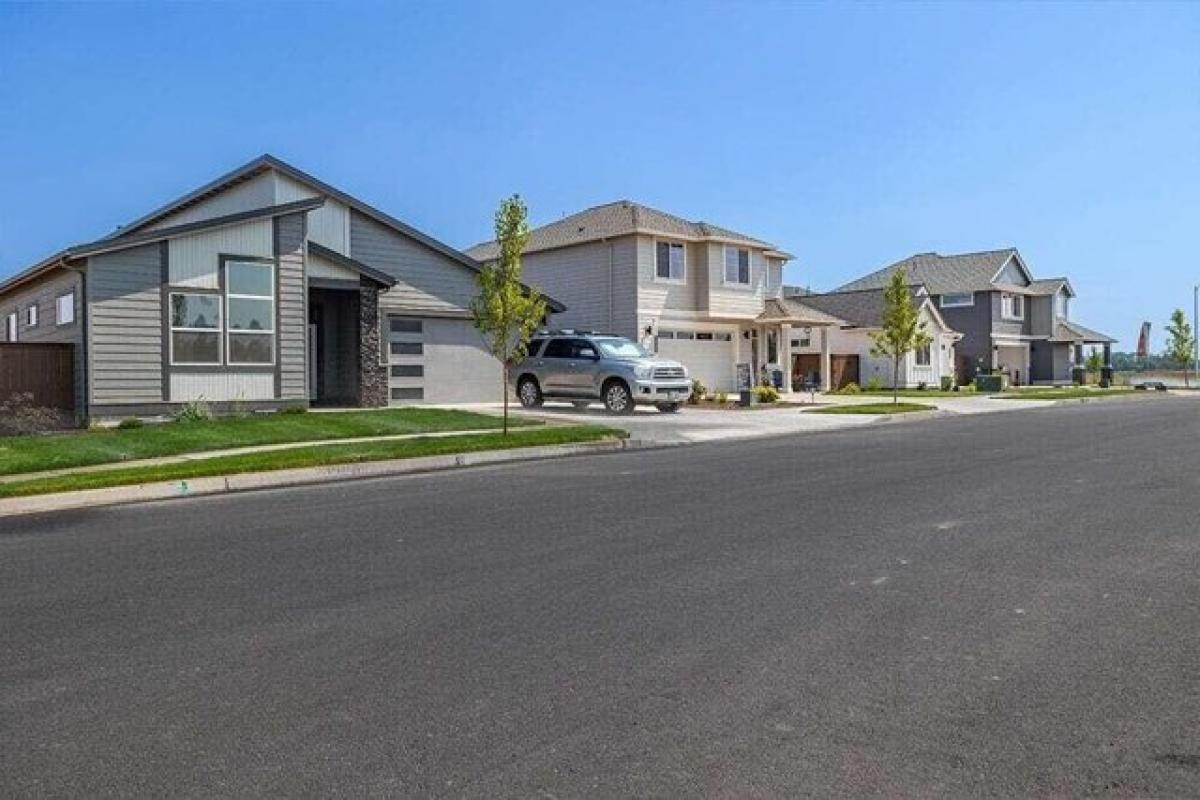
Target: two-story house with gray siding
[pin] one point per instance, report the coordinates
(705, 295)
(1009, 320)
(264, 288)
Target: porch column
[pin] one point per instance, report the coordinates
(785, 355)
(826, 361)
(372, 374)
(1106, 371)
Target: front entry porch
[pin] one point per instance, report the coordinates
(344, 362)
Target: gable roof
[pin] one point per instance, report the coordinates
(267, 162)
(109, 245)
(952, 274)
(1067, 331)
(863, 308)
(622, 218)
(790, 310)
(1050, 286)
(366, 270)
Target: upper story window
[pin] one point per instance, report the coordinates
(31, 316)
(670, 261)
(10, 327)
(737, 266)
(64, 309)
(957, 300)
(250, 311)
(1061, 304)
(1012, 306)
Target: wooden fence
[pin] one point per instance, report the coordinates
(45, 370)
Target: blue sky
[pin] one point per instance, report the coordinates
(850, 135)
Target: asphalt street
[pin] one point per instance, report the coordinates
(996, 605)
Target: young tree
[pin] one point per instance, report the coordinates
(903, 330)
(1180, 342)
(1094, 362)
(504, 311)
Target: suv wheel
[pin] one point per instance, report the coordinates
(529, 393)
(668, 408)
(617, 399)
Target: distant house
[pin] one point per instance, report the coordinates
(703, 294)
(851, 345)
(266, 288)
(1009, 320)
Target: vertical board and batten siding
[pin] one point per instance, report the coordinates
(125, 326)
(44, 293)
(579, 276)
(426, 280)
(319, 267)
(292, 313)
(257, 192)
(222, 386)
(194, 260)
(328, 225)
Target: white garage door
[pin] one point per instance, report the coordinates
(433, 360)
(710, 359)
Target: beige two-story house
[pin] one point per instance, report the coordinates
(705, 295)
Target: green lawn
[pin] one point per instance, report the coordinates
(309, 457)
(83, 448)
(873, 408)
(1067, 393)
(919, 393)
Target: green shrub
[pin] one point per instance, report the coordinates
(947, 383)
(194, 411)
(849, 388)
(293, 410)
(873, 384)
(129, 423)
(699, 390)
(766, 394)
(722, 398)
(21, 416)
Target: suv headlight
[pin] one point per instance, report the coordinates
(643, 371)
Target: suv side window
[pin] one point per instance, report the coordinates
(582, 348)
(559, 348)
(534, 346)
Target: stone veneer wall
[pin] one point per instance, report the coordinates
(372, 373)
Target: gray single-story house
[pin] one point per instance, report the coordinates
(264, 288)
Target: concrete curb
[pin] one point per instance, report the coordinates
(249, 481)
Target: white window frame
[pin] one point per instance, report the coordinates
(10, 327)
(1008, 305)
(945, 302)
(58, 309)
(749, 267)
(274, 298)
(1062, 304)
(927, 351)
(683, 261)
(31, 315)
(217, 331)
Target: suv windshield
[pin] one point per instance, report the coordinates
(622, 348)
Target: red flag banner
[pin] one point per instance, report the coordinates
(1143, 348)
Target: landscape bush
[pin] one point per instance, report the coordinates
(194, 411)
(722, 398)
(849, 388)
(699, 390)
(293, 410)
(947, 383)
(766, 394)
(129, 423)
(21, 416)
(873, 384)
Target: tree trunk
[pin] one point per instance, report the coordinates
(504, 391)
(895, 380)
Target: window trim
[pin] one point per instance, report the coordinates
(32, 315)
(217, 331)
(943, 303)
(749, 283)
(229, 332)
(58, 320)
(927, 349)
(682, 249)
(1006, 306)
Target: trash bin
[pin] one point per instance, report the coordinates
(745, 397)
(777, 378)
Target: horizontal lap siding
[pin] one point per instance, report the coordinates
(579, 277)
(426, 279)
(293, 314)
(125, 325)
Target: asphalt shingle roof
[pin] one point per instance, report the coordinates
(787, 309)
(618, 219)
(965, 272)
(1067, 331)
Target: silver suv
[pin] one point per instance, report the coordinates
(582, 367)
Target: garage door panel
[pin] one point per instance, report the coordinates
(709, 361)
(434, 360)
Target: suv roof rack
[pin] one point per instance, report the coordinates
(571, 332)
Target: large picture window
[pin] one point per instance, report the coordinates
(737, 266)
(250, 312)
(195, 328)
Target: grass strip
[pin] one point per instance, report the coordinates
(873, 408)
(913, 393)
(314, 456)
(1061, 394)
(20, 454)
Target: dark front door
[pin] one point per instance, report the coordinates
(843, 369)
(806, 368)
